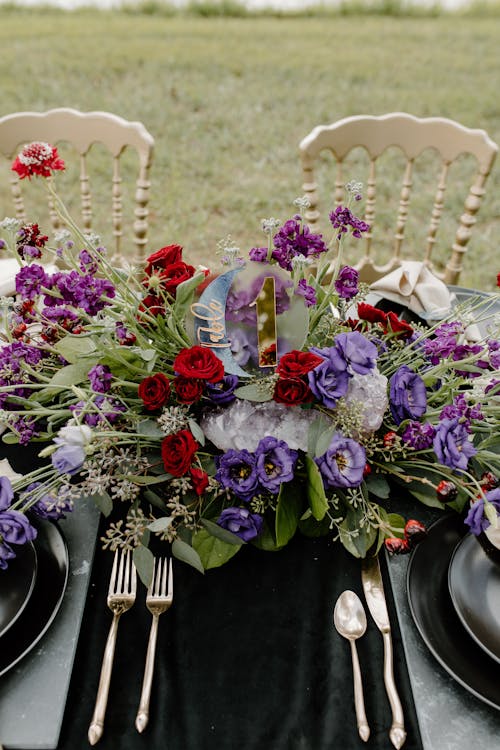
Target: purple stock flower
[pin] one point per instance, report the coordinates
(88, 263)
(241, 522)
(476, 519)
(357, 351)
(25, 429)
(30, 280)
(12, 358)
(275, 463)
(102, 410)
(463, 351)
(346, 284)
(329, 381)
(6, 493)
(444, 343)
(68, 458)
(306, 291)
(236, 471)
(419, 435)
(258, 254)
(452, 445)
(84, 291)
(343, 219)
(343, 464)
(49, 505)
(407, 395)
(294, 239)
(223, 391)
(494, 352)
(100, 378)
(460, 408)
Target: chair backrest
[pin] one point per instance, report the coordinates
(81, 130)
(446, 139)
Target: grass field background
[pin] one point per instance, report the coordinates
(228, 99)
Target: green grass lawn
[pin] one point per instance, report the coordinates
(229, 99)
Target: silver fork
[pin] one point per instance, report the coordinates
(159, 598)
(121, 596)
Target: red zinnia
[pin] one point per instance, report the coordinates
(37, 158)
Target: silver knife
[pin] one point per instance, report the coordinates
(375, 598)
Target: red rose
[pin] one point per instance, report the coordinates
(188, 390)
(396, 325)
(154, 391)
(153, 304)
(177, 452)
(371, 314)
(163, 258)
(297, 363)
(174, 275)
(498, 279)
(199, 362)
(292, 391)
(199, 479)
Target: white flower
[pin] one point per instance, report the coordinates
(79, 434)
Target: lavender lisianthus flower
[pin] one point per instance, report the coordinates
(15, 528)
(6, 493)
(308, 292)
(48, 506)
(419, 435)
(100, 378)
(452, 445)
(476, 519)
(275, 463)
(343, 464)
(68, 459)
(407, 395)
(241, 522)
(329, 381)
(359, 354)
(346, 283)
(6, 554)
(223, 391)
(236, 471)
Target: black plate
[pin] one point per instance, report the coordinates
(435, 616)
(16, 585)
(44, 602)
(474, 583)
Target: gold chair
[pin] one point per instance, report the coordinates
(443, 139)
(83, 130)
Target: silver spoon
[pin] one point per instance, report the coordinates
(349, 618)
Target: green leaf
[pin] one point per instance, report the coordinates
(161, 524)
(103, 501)
(144, 481)
(72, 348)
(315, 490)
(213, 552)
(185, 292)
(253, 392)
(154, 499)
(144, 563)
(223, 534)
(316, 428)
(184, 552)
(196, 431)
(150, 428)
(359, 542)
(378, 485)
(288, 512)
(324, 441)
(73, 374)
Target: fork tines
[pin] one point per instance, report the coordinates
(162, 583)
(123, 578)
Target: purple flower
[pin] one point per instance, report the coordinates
(293, 240)
(6, 493)
(460, 408)
(84, 291)
(476, 519)
(258, 254)
(419, 435)
(494, 351)
(88, 263)
(241, 522)
(48, 506)
(357, 351)
(343, 219)
(223, 391)
(329, 381)
(15, 528)
(444, 343)
(452, 445)
(6, 554)
(25, 429)
(100, 378)
(275, 463)
(105, 409)
(236, 471)
(306, 291)
(346, 284)
(30, 280)
(68, 458)
(243, 345)
(12, 358)
(407, 395)
(343, 464)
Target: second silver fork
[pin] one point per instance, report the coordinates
(159, 598)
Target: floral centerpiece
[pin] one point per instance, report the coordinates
(213, 410)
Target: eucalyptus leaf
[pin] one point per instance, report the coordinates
(185, 552)
(196, 431)
(160, 524)
(223, 534)
(315, 490)
(154, 499)
(378, 485)
(213, 552)
(324, 441)
(288, 512)
(316, 428)
(253, 392)
(103, 501)
(144, 562)
(359, 542)
(150, 428)
(144, 481)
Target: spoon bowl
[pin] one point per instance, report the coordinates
(349, 618)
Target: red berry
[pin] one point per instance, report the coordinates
(414, 531)
(397, 546)
(446, 491)
(489, 481)
(389, 439)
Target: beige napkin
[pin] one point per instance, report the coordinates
(8, 269)
(415, 286)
